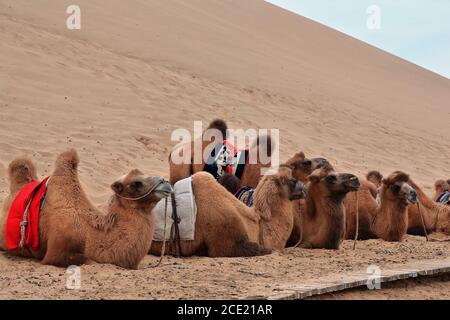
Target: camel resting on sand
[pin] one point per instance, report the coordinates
(386, 219)
(72, 230)
(226, 227)
(436, 216)
(323, 211)
(252, 171)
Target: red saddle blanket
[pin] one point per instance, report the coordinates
(22, 225)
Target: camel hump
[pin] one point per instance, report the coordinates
(220, 125)
(67, 163)
(21, 171)
(265, 142)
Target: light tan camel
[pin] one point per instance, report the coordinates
(252, 171)
(323, 211)
(436, 216)
(225, 227)
(386, 219)
(72, 230)
(440, 187)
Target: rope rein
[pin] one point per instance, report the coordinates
(143, 196)
(357, 220)
(423, 221)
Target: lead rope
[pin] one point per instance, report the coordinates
(357, 220)
(163, 249)
(423, 221)
(301, 233)
(175, 239)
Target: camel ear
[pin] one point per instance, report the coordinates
(301, 154)
(117, 187)
(385, 181)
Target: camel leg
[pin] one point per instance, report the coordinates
(59, 253)
(229, 247)
(306, 245)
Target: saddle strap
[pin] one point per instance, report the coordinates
(175, 238)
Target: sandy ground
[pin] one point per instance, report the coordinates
(206, 278)
(434, 288)
(117, 88)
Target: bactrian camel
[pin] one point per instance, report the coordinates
(323, 211)
(386, 219)
(72, 229)
(252, 171)
(225, 227)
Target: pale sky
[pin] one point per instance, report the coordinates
(415, 30)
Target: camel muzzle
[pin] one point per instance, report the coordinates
(352, 182)
(164, 188)
(300, 191)
(412, 197)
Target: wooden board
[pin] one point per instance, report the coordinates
(341, 282)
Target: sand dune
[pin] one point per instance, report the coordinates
(135, 71)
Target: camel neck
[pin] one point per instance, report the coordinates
(390, 221)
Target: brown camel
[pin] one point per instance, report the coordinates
(386, 219)
(301, 167)
(225, 227)
(72, 230)
(436, 216)
(252, 171)
(323, 212)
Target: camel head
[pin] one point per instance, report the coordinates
(276, 188)
(396, 188)
(293, 188)
(331, 184)
(140, 191)
(302, 167)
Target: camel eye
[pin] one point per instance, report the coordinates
(136, 185)
(395, 188)
(331, 179)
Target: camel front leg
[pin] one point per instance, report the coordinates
(60, 254)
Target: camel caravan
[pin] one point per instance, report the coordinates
(223, 206)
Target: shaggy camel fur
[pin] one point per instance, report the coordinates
(225, 227)
(386, 219)
(440, 187)
(435, 215)
(301, 167)
(323, 211)
(252, 171)
(72, 230)
(376, 178)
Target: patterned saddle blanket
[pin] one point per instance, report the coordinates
(224, 158)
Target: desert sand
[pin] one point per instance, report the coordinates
(137, 70)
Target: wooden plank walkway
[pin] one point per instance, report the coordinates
(336, 283)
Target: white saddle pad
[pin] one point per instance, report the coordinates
(186, 211)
